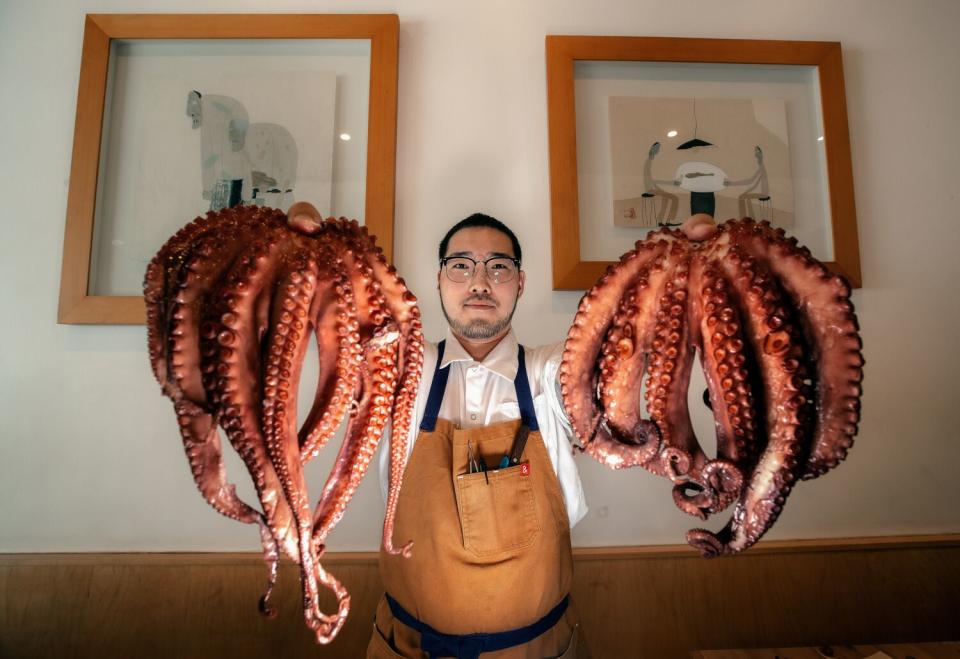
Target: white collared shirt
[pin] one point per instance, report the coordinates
(482, 393)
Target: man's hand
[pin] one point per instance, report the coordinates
(699, 227)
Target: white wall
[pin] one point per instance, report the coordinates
(91, 458)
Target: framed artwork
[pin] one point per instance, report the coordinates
(645, 131)
(181, 114)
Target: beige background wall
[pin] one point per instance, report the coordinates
(89, 454)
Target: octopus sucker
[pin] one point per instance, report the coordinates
(778, 343)
(233, 300)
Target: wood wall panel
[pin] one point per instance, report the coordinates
(649, 602)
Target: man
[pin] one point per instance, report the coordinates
(488, 498)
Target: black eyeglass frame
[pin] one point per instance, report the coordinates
(443, 265)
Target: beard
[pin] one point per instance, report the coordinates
(478, 330)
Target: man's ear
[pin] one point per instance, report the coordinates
(439, 272)
(523, 280)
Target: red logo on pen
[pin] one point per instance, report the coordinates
(525, 469)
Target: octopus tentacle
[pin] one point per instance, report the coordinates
(231, 377)
(201, 441)
(159, 290)
(724, 355)
(668, 375)
(205, 263)
(578, 384)
(785, 399)
(724, 480)
(393, 297)
(288, 342)
(624, 361)
(831, 328)
(713, 486)
(335, 312)
(176, 278)
(363, 433)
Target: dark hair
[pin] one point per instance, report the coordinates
(480, 220)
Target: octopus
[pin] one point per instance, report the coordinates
(232, 301)
(234, 298)
(778, 341)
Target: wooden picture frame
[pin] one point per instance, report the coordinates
(570, 271)
(77, 306)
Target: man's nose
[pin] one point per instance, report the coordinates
(480, 281)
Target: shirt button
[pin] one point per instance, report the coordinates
(473, 417)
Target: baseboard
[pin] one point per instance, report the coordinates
(660, 601)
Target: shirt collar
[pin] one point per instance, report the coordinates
(502, 360)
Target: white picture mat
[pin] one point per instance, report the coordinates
(149, 184)
(798, 86)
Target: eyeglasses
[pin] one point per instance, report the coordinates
(499, 269)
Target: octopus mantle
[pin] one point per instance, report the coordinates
(777, 338)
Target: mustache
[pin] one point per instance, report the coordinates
(484, 299)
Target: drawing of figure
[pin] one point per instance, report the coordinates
(666, 210)
(759, 191)
(273, 159)
(701, 179)
(240, 162)
(224, 166)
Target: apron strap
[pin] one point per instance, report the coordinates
(471, 646)
(524, 397)
(438, 386)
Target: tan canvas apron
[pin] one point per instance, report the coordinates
(491, 550)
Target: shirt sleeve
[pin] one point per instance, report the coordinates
(551, 387)
(556, 430)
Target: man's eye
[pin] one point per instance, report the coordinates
(459, 266)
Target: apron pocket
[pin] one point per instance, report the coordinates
(379, 647)
(571, 651)
(498, 511)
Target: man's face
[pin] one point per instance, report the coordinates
(478, 309)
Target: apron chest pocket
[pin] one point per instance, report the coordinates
(499, 516)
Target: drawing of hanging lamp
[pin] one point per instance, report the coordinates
(695, 141)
